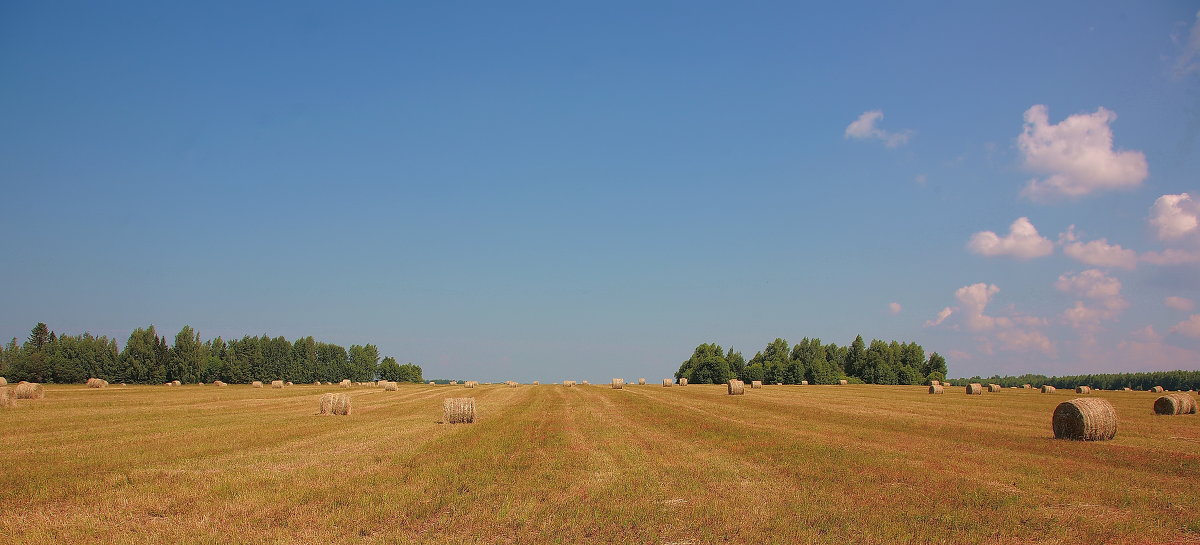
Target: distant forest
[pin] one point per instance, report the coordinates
(148, 359)
(1170, 380)
(879, 363)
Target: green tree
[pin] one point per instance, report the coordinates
(140, 358)
(856, 359)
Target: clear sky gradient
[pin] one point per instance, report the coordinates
(547, 191)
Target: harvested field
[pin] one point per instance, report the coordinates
(575, 465)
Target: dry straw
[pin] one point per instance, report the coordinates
(1085, 419)
(804, 383)
(1047, 389)
(1027, 386)
(668, 382)
(389, 386)
(176, 383)
(288, 383)
(1175, 404)
(256, 384)
(345, 383)
(537, 383)
(974, 388)
(513, 384)
(97, 383)
(618, 383)
(29, 390)
(755, 384)
(468, 384)
(736, 387)
(454, 383)
(219, 383)
(843, 382)
(316, 383)
(3, 381)
(642, 381)
(568, 383)
(937, 389)
(1083, 390)
(1157, 389)
(993, 387)
(935, 383)
(584, 382)
(338, 404)
(682, 381)
(458, 410)
(277, 384)
(1127, 389)
(7, 397)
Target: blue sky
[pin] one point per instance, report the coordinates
(545, 191)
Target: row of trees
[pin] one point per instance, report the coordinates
(148, 359)
(1171, 380)
(879, 363)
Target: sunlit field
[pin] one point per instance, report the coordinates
(587, 464)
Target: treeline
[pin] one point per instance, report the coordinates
(879, 363)
(148, 359)
(1170, 380)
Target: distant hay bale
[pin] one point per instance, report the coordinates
(682, 381)
(345, 383)
(97, 383)
(755, 384)
(257, 384)
(804, 383)
(29, 390)
(779, 384)
(994, 387)
(568, 383)
(1083, 390)
(1047, 389)
(937, 389)
(1127, 389)
(974, 388)
(583, 382)
(468, 384)
(1027, 386)
(389, 386)
(3, 381)
(736, 387)
(335, 404)
(513, 384)
(618, 383)
(1173, 404)
(277, 384)
(1157, 389)
(537, 383)
(219, 383)
(843, 382)
(288, 383)
(1085, 419)
(432, 383)
(642, 381)
(668, 382)
(935, 383)
(176, 383)
(458, 410)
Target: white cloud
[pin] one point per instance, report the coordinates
(1180, 303)
(894, 308)
(1189, 327)
(1092, 284)
(1146, 334)
(1013, 333)
(1189, 50)
(1018, 340)
(1174, 216)
(941, 317)
(1022, 242)
(1077, 155)
(864, 128)
(974, 300)
(1098, 253)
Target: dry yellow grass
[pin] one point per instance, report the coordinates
(8, 398)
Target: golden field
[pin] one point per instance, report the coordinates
(589, 464)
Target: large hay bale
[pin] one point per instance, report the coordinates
(736, 387)
(1157, 389)
(668, 382)
(937, 389)
(454, 383)
(468, 384)
(583, 382)
(618, 383)
(994, 387)
(97, 383)
(7, 397)
(29, 390)
(642, 381)
(1027, 386)
(537, 383)
(256, 384)
(345, 383)
(1047, 389)
(458, 410)
(513, 384)
(843, 382)
(1083, 390)
(176, 383)
(1085, 419)
(974, 388)
(389, 386)
(335, 404)
(682, 381)
(755, 384)
(804, 383)
(1173, 404)
(935, 383)
(277, 384)
(219, 383)
(3, 381)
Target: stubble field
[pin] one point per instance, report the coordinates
(589, 464)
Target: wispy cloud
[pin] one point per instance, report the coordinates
(864, 128)
(1021, 242)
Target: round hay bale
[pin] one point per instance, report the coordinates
(97, 383)
(345, 383)
(668, 382)
(390, 386)
(458, 410)
(1127, 389)
(682, 381)
(288, 383)
(277, 384)
(804, 383)
(618, 383)
(937, 389)
(513, 384)
(1157, 389)
(755, 384)
(335, 404)
(29, 390)
(3, 381)
(583, 382)
(779, 384)
(1173, 404)
(1047, 389)
(935, 383)
(568, 383)
(176, 383)
(1085, 419)
(537, 383)
(256, 384)
(993, 387)
(736, 387)
(1027, 386)
(1083, 390)
(642, 381)
(975, 389)
(454, 383)
(219, 383)
(316, 383)
(468, 384)
(843, 382)
(7, 397)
